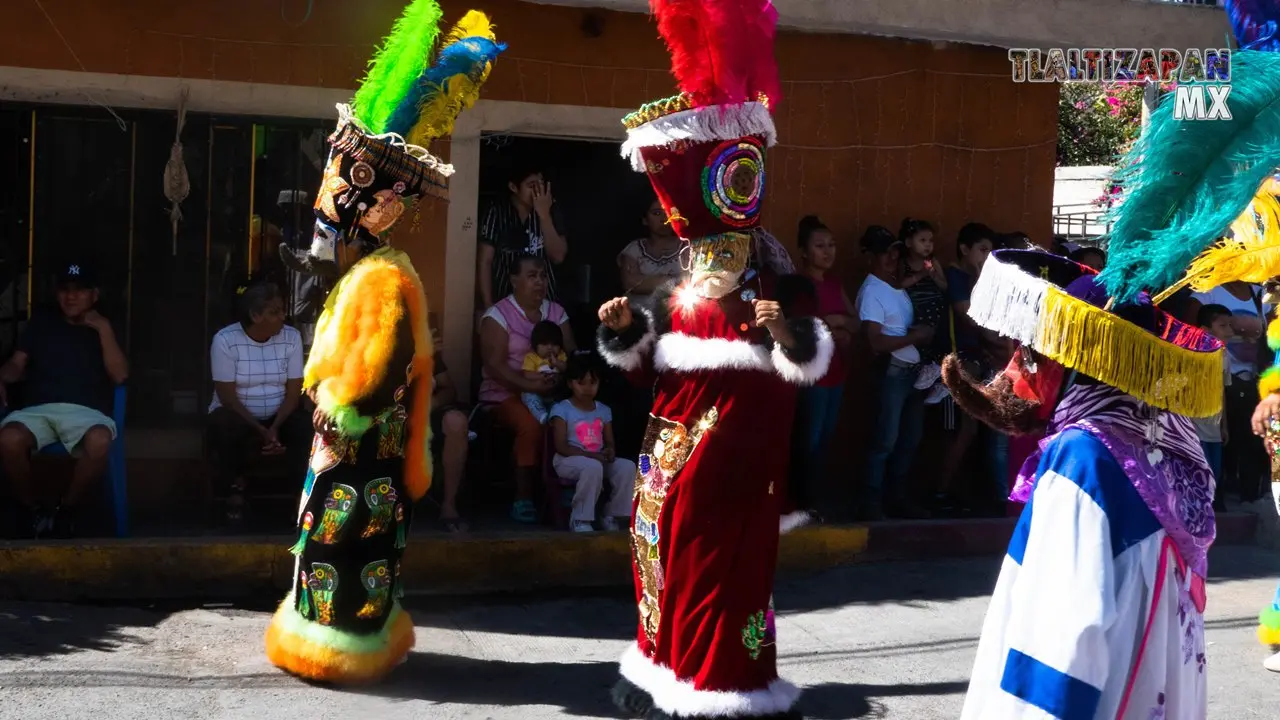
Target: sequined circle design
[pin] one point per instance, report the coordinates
(733, 181)
(362, 174)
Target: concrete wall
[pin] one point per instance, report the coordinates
(1003, 23)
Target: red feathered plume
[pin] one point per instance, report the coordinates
(721, 50)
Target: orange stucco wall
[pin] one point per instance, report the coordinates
(870, 129)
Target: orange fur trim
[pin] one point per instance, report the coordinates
(417, 454)
(306, 658)
(349, 359)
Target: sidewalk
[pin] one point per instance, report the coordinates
(439, 564)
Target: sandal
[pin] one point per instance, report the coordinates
(235, 504)
(524, 511)
(455, 525)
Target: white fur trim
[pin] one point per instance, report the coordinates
(633, 357)
(1006, 299)
(793, 520)
(686, 353)
(810, 372)
(322, 243)
(703, 124)
(679, 697)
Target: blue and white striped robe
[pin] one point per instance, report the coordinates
(1093, 615)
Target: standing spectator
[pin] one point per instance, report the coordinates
(67, 363)
(1093, 257)
(505, 340)
(885, 311)
(926, 285)
(819, 405)
(257, 389)
(582, 430)
(450, 438)
(970, 342)
(1244, 459)
(526, 222)
(1212, 431)
(645, 264)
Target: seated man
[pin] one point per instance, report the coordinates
(450, 438)
(68, 362)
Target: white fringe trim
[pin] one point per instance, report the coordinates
(679, 697)
(633, 357)
(686, 353)
(1007, 300)
(810, 372)
(713, 122)
(793, 520)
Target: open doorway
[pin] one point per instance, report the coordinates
(600, 199)
(602, 203)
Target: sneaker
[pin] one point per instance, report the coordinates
(1272, 663)
(611, 524)
(929, 375)
(62, 523)
(581, 526)
(41, 523)
(936, 394)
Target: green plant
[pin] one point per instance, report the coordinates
(1097, 121)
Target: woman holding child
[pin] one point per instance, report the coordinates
(506, 331)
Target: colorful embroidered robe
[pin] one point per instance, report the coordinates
(371, 368)
(1095, 614)
(710, 488)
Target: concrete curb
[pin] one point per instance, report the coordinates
(238, 568)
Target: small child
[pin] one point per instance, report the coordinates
(546, 358)
(583, 433)
(926, 285)
(1212, 431)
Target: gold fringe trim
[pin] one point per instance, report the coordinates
(1103, 346)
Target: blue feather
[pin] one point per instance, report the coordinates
(469, 56)
(1185, 181)
(1254, 23)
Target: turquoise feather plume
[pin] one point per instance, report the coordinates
(394, 70)
(1185, 181)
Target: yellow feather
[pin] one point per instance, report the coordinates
(457, 92)
(1252, 254)
(473, 24)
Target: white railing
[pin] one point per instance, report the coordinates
(1079, 221)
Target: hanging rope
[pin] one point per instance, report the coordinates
(176, 183)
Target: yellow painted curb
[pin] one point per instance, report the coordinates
(224, 568)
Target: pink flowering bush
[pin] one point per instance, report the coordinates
(1098, 121)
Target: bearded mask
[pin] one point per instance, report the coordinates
(718, 262)
(1019, 401)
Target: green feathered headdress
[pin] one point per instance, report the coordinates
(1186, 181)
(394, 70)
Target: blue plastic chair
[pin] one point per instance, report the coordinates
(115, 464)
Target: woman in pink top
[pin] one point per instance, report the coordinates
(819, 405)
(504, 341)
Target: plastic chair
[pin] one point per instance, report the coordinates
(115, 463)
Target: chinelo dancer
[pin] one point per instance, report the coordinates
(370, 369)
(723, 357)
(1098, 612)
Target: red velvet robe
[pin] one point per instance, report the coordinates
(709, 492)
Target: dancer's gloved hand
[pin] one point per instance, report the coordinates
(769, 316)
(1267, 409)
(616, 314)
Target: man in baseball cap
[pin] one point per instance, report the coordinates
(67, 361)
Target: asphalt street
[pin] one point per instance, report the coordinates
(888, 640)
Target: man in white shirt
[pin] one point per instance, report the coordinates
(886, 315)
